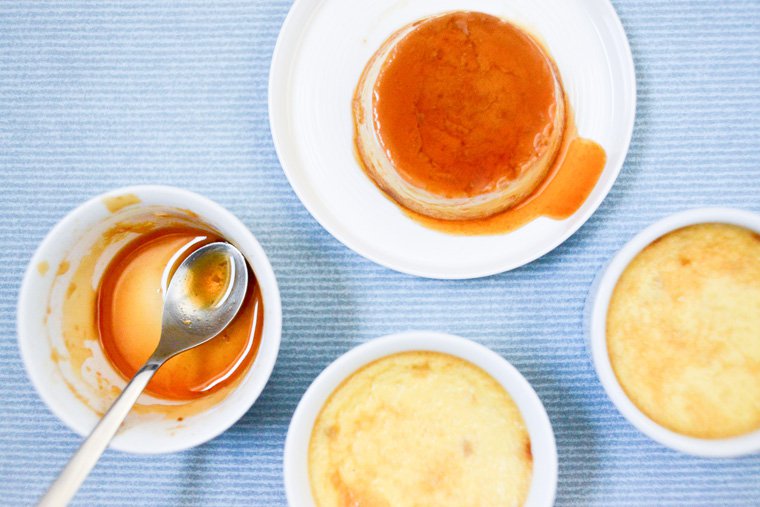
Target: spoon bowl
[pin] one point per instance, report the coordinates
(204, 295)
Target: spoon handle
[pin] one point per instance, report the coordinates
(78, 468)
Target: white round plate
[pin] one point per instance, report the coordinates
(321, 51)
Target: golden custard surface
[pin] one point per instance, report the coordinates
(683, 331)
(420, 428)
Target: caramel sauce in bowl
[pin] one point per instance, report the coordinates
(134, 283)
(87, 321)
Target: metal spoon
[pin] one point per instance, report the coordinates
(194, 312)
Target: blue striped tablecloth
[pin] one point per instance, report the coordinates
(98, 95)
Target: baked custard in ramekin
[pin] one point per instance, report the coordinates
(416, 428)
(673, 323)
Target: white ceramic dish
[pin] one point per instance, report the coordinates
(321, 51)
(39, 336)
(596, 323)
(544, 485)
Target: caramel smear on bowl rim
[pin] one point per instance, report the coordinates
(116, 203)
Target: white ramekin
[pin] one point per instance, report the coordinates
(544, 485)
(73, 236)
(595, 322)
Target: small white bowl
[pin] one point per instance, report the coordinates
(38, 333)
(595, 321)
(544, 484)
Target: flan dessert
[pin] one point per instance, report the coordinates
(420, 428)
(459, 116)
(683, 331)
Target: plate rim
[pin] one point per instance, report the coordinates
(280, 66)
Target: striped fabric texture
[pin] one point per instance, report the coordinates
(97, 95)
